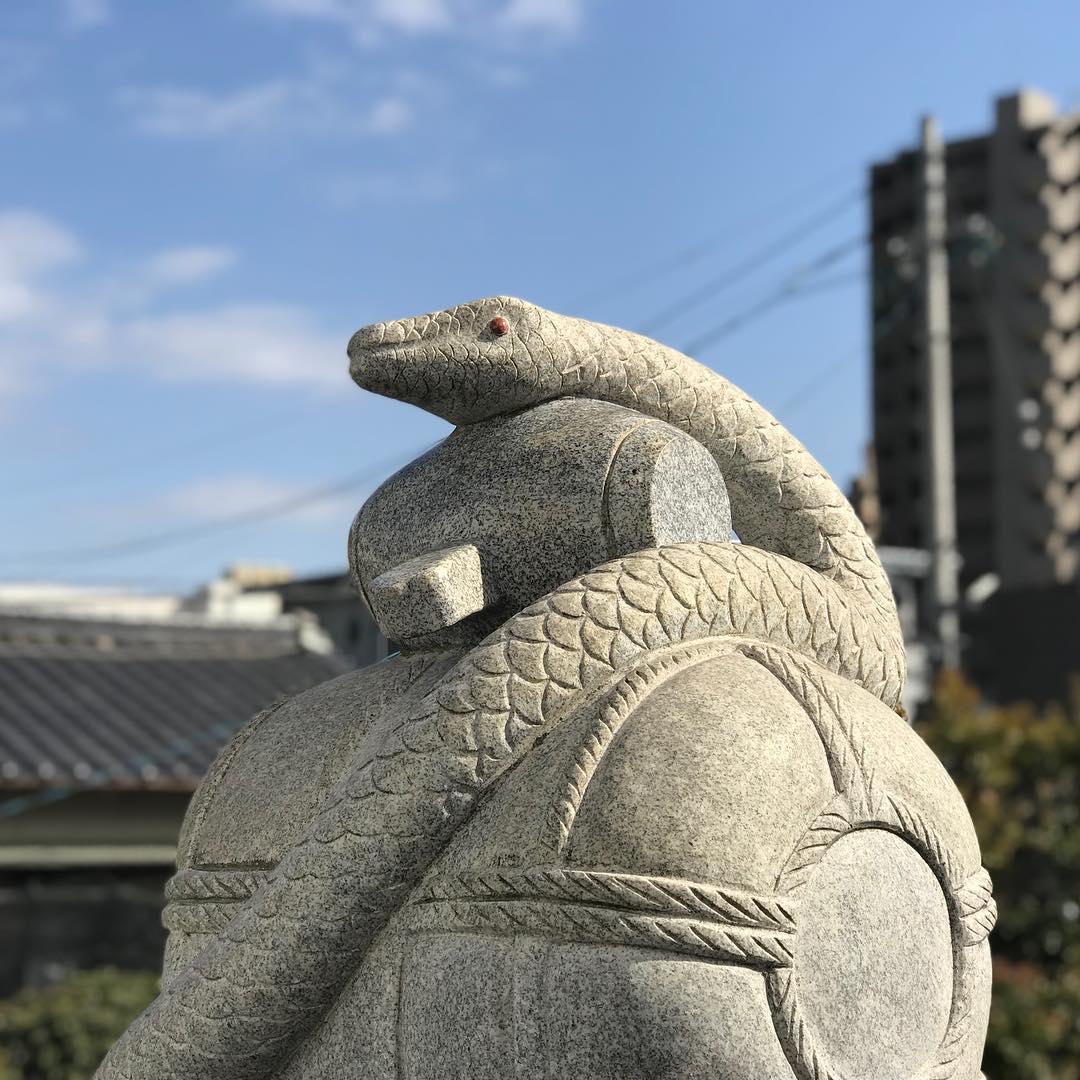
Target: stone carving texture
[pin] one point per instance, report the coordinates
(787, 639)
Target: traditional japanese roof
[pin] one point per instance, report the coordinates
(90, 703)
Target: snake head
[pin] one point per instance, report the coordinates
(467, 363)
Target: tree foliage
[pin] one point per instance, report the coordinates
(1019, 771)
(62, 1032)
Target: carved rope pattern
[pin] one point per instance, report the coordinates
(809, 1063)
(951, 1051)
(977, 907)
(613, 712)
(629, 892)
(795, 1034)
(609, 908)
(862, 802)
(583, 924)
(845, 749)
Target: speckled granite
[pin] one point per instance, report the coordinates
(633, 802)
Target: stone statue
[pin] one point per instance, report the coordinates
(633, 801)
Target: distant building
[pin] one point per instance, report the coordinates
(1014, 222)
(1013, 205)
(1025, 644)
(331, 601)
(111, 709)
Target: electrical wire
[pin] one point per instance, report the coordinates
(738, 272)
(795, 284)
(151, 457)
(197, 530)
(697, 251)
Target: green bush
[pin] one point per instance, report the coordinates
(1019, 770)
(62, 1032)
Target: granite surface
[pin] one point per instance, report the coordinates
(632, 802)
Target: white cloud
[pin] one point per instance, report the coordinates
(187, 265)
(348, 192)
(412, 15)
(303, 106)
(175, 111)
(365, 18)
(30, 246)
(31, 243)
(507, 75)
(239, 493)
(52, 324)
(240, 343)
(369, 20)
(85, 14)
(563, 16)
(389, 116)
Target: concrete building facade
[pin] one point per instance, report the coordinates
(1013, 205)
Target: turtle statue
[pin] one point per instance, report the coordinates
(633, 800)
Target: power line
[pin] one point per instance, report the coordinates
(794, 285)
(738, 272)
(170, 537)
(810, 389)
(693, 253)
(883, 324)
(151, 457)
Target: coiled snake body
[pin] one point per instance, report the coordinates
(806, 576)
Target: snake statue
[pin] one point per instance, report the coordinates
(804, 576)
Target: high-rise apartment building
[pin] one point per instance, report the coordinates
(1013, 229)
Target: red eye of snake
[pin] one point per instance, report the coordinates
(498, 326)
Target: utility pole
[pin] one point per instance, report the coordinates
(937, 379)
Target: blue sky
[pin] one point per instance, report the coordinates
(200, 201)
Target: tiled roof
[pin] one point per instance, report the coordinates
(90, 704)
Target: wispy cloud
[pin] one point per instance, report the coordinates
(238, 493)
(563, 16)
(181, 112)
(389, 115)
(30, 246)
(186, 265)
(298, 106)
(429, 185)
(22, 64)
(241, 343)
(365, 19)
(53, 320)
(368, 21)
(86, 14)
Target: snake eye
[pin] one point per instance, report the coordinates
(498, 326)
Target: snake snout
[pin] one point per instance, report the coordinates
(371, 362)
(376, 335)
